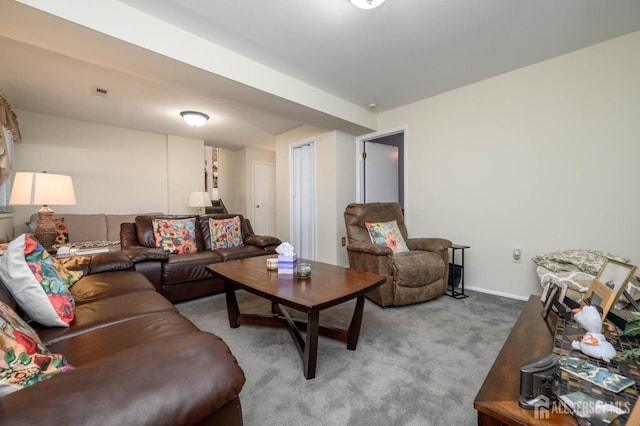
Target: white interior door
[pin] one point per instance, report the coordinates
(302, 199)
(264, 198)
(381, 173)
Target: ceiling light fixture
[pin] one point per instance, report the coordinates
(194, 118)
(367, 4)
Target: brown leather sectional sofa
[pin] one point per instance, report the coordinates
(183, 276)
(137, 360)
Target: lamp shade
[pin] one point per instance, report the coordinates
(42, 189)
(199, 199)
(194, 118)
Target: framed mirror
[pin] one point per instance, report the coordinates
(615, 275)
(609, 284)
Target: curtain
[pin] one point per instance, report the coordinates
(303, 201)
(6, 168)
(8, 122)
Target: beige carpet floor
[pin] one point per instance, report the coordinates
(414, 365)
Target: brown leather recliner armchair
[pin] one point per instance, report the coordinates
(415, 276)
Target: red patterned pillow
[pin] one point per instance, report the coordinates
(63, 232)
(25, 360)
(225, 233)
(175, 235)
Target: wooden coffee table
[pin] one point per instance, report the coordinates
(328, 286)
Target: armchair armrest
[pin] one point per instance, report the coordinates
(262, 241)
(369, 248)
(436, 245)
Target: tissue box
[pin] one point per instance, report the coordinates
(287, 263)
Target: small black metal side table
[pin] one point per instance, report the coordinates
(453, 268)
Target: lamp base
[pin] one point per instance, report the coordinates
(46, 232)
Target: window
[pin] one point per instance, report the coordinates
(6, 163)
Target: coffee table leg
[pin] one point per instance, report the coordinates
(232, 304)
(354, 328)
(311, 345)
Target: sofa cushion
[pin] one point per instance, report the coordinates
(417, 268)
(179, 380)
(104, 312)
(175, 236)
(114, 221)
(82, 227)
(109, 284)
(24, 360)
(32, 276)
(241, 252)
(104, 342)
(190, 267)
(225, 233)
(387, 233)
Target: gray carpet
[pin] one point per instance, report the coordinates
(415, 365)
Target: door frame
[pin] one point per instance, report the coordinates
(360, 141)
(314, 216)
(254, 163)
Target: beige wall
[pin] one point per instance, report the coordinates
(544, 158)
(183, 151)
(114, 170)
(335, 187)
(346, 185)
(236, 177)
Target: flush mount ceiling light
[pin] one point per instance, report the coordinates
(194, 118)
(367, 4)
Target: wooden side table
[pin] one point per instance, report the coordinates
(452, 267)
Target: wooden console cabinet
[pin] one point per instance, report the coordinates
(497, 400)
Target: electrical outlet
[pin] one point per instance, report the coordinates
(344, 241)
(517, 255)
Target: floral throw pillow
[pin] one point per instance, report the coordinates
(67, 276)
(24, 360)
(388, 234)
(225, 233)
(29, 273)
(175, 236)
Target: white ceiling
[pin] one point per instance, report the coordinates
(404, 51)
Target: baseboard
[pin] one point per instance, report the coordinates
(497, 293)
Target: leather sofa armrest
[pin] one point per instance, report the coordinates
(262, 241)
(128, 235)
(369, 248)
(128, 388)
(139, 254)
(97, 263)
(436, 245)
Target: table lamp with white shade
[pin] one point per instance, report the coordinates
(199, 199)
(43, 189)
